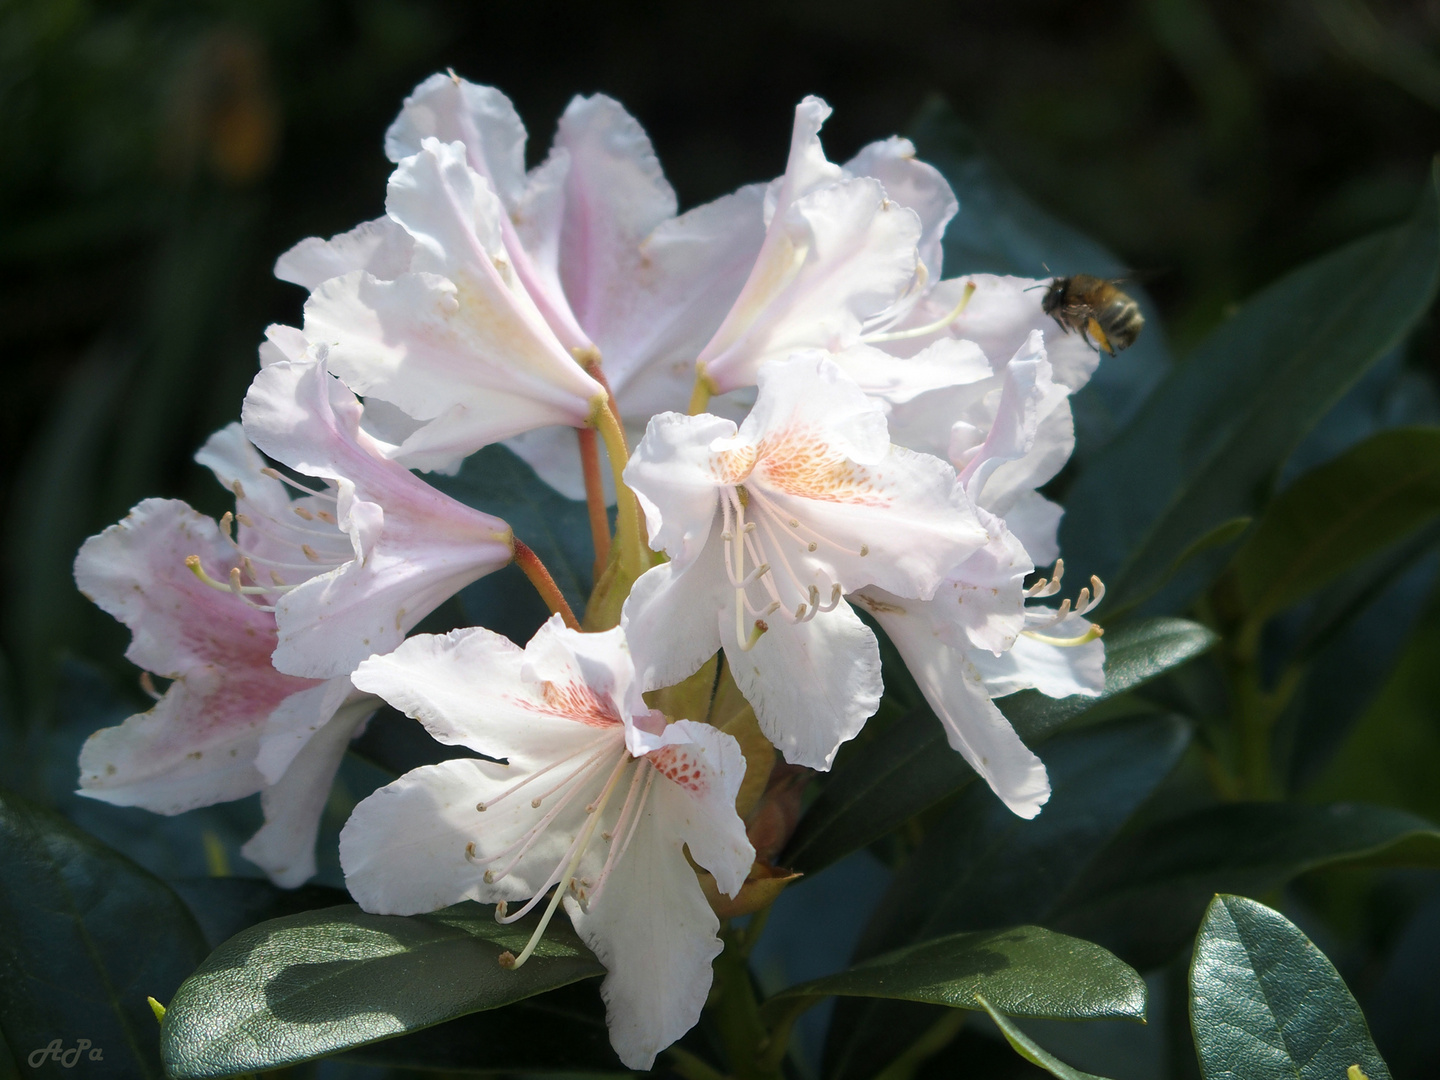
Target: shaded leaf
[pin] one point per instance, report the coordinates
(223, 906)
(308, 985)
(85, 936)
(1027, 1048)
(1336, 516)
(980, 867)
(1143, 898)
(908, 766)
(1266, 1003)
(1211, 436)
(559, 1031)
(1022, 971)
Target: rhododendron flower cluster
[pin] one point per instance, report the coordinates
(878, 438)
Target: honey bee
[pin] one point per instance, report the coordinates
(1095, 309)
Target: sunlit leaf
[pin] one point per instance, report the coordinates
(307, 985)
(1266, 1004)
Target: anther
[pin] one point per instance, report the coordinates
(756, 633)
(301, 512)
(309, 553)
(793, 523)
(864, 550)
(244, 519)
(501, 910)
(326, 516)
(238, 488)
(812, 546)
(480, 806)
(148, 685)
(276, 578)
(800, 613)
(490, 880)
(534, 804)
(470, 850)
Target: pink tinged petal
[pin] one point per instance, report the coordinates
(198, 745)
(656, 935)
(297, 719)
(615, 195)
(671, 617)
(915, 185)
(380, 247)
(1054, 670)
(956, 690)
(483, 121)
(470, 688)
(941, 365)
(232, 459)
(1035, 521)
(831, 260)
(282, 343)
(812, 684)
(673, 474)
(702, 770)
(285, 845)
(414, 547)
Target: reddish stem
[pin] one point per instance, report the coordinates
(544, 584)
(595, 497)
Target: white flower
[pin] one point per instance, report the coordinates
(976, 639)
(229, 724)
(808, 500)
(838, 253)
(353, 567)
(597, 795)
(451, 336)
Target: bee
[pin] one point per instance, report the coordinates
(1095, 309)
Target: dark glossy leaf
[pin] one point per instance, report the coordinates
(1031, 1051)
(85, 937)
(1336, 516)
(560, 1031)
(1266, 1004)
(981, 867)
(999, 230)
(307, 985)
(908, 766)
(1022, 971)
(1211, 436)
(556, 528)
(223, 906)
(1143, 898)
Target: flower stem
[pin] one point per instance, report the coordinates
(629, 533)
(595, 498)
(544, 584)
(737, 1016)
(700, 396)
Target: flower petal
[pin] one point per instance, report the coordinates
(656, 935)
(671, 617)
(912, 184)
(957, 692)
(831, 260)
(1035, 521)
(455, 110)
(296, 720)
(812, 684)
(1055, 670)
(469, 688)
(673, 475)
(285, 845)
(939, 366)
(415, 547)
(380, 247)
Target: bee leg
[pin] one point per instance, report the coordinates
(1092, 330)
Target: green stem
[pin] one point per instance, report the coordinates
(737, 1015)
(700, 396)
(629, 530)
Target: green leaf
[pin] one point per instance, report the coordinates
(1023, 971)
(1208, 440)
(308, 985)
(908, 767)
(1266, 1003)
(999, 230)
(562, 1031)
(979, 867)
(1027, 1048)
(1335, 517)
(1143, 897)
(87, 935)
(556, 528)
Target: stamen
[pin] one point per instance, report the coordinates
(929, 328)
(148, 685)
(616, 852)
(234, 586)
(1095, 631)
(301, 512)
(761, 626)
(582, 842)
(276, 474)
